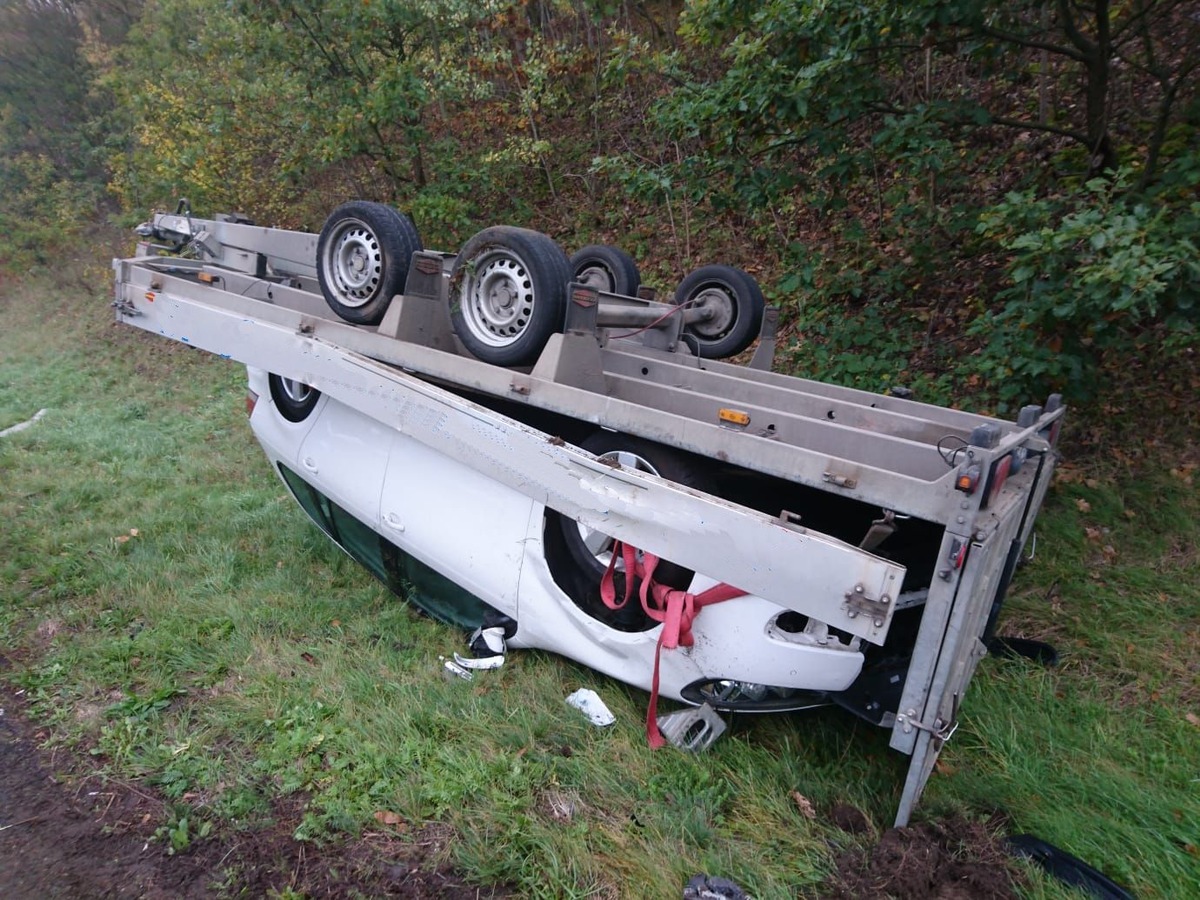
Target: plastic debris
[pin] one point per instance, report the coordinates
(693, 729)
(705, 887)
(590, 704)
(488, 643)
(452, 670)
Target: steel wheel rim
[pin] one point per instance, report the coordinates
(354, 262)
(719, 302)
(598, 544)
(498, 299)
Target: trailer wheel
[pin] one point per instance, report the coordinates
(362, 259)
(736, 303)
(605, 268)
(512, 294)
(578, 556)
(294, 399)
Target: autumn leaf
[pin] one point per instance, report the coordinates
(387, 817)
(804, 805)
(1082, 505)
(1193, 719)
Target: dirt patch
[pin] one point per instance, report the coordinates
(80, 837)
(955, 859)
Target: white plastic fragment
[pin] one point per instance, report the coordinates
(21, 426)
(590, 704)
(452, 670)
(692, 729)
(471, 662)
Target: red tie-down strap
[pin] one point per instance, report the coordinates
(675, 609)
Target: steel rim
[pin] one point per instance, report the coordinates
(498, 299)
(597, 543)
(722, 308)
(597, 276)
(354, 261)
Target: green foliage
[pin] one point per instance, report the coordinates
(1096, 272)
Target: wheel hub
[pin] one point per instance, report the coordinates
(721, 312)
(357, 265)
(499, 300)
(595, 276)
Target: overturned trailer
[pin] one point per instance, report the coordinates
(509, 435)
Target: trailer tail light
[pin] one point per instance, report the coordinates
(997, 477)
(958, 553)
(251, 401)
(968, 479)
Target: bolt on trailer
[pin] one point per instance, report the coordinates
(512, 436)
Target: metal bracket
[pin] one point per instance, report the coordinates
(125, 308)
(842, 481)
(857, 602)
(941, 730)
(764, 353)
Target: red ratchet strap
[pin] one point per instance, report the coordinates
(675, 609)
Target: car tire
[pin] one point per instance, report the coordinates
(608, 269)
(363, 255)
(578, 557)
(294, 399)
(737, 305)
(510, 294)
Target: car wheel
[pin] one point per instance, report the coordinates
(294, 399)
(735, 303)
(608, 269)
(512, 294)
(363, 255)
(578, 556)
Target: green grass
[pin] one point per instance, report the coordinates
(231, 657)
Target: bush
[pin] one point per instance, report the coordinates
(1093, 278)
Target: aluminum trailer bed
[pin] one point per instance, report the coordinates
(252, 295)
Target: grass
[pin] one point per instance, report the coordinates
(169, 610)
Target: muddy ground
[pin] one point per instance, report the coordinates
(65, 833)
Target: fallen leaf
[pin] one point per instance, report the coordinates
(309, 658)
(387, 817)
(133, 532)
(1082, 505)
(804, 805)
(1110, 552)
(122, 538)
(944, 768)
(1093, 534)
(336, 623)
(1193, 719)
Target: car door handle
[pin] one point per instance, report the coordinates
(393, 521)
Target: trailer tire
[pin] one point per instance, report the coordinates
(510, 294)
(737, 305)
(578, 557)
(294, 399)
(609, 269)
(363, 255)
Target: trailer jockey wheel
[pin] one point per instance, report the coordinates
(363, 255)
(734, 303)
(578, 556)
(509, 294)
(608, 269)
(294, 399)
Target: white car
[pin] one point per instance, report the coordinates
(461, 547)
